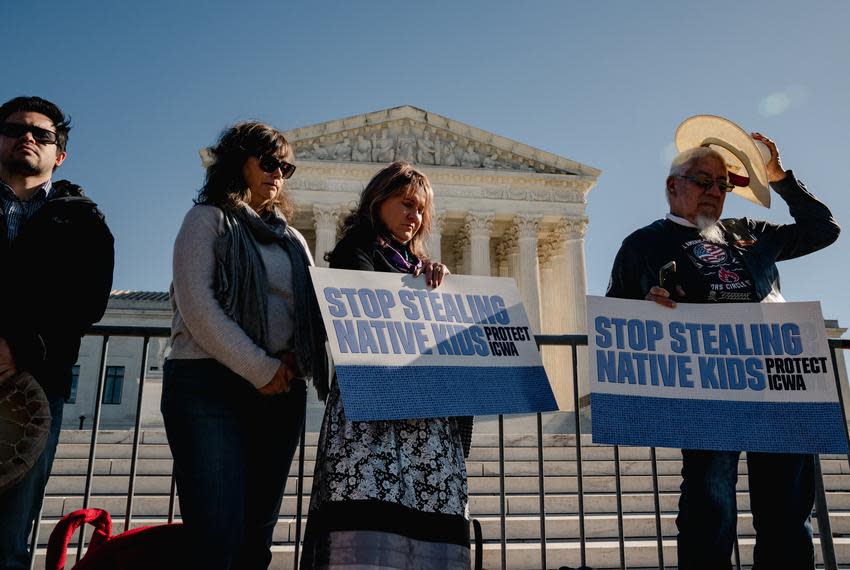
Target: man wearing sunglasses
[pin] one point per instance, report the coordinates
(727, 261)
(56, 254)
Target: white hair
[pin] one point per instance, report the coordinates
(685, 159)
(683, 162)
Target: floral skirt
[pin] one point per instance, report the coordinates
(387, 494)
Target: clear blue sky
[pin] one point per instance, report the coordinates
(603, 83)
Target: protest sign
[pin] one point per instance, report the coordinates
(742, 376)
(404, 350)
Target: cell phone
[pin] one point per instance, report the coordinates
(667, 276)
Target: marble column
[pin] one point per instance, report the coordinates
(511, 253)
(478, 226)
(575, 281)
(513, 263)
(325, 217)
(553, 282)
(435, 239)
(502, 254)
(546, 251)
(462, 251)
(571, 275)
(529, 279)
(554, 357)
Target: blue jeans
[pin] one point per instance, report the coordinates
(782, 494)
(232, 451)
(20, 505)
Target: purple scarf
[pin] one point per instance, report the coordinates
(390, 251)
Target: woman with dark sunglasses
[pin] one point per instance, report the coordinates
(246, 333)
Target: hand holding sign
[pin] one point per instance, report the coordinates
(434, 273)
(403, 350)
(661, 296)
(743, 376)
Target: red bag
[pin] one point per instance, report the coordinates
(142, 548)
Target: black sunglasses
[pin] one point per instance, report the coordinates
(269, 164)
(707, 183)
(17, 130)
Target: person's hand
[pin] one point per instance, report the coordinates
(8, 368)
(662, 296)
(282, 380)
(434, 273)
(775, 172)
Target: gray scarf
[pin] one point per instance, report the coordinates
(241, 286)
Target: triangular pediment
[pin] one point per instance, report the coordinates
(424, 138)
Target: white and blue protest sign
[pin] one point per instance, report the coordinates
(403, 350)
(731, 376)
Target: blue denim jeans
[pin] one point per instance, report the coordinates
(782, 492)
(232, 450)
(20, 505)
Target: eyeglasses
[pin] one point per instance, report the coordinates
(707, 183)
(269, 164)
(17, 130)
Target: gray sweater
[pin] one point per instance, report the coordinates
(200, 328)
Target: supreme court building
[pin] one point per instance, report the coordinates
(501, 208)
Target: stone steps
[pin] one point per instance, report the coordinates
(153, 484)
(603, 555)
(519, 527)
(556, 503)
(478, 454)
(103, 465)
(600, 554)
(161, 484)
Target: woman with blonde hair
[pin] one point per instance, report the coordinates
(246, 333)
(389, 494)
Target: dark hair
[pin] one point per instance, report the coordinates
(61, 123)
(399, 178)
(224, 184)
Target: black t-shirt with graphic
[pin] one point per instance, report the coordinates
(725, 274)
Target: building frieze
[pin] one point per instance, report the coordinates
(426, 139)
(457, 186)
(315, 170)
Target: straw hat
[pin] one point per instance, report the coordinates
(746, 159)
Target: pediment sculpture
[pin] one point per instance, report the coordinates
(416, 143)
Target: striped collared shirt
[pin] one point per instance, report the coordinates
(16, 212)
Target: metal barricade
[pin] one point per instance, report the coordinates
(572, 341)
(146, 333)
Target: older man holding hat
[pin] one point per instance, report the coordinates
(705, 259)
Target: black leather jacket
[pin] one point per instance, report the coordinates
(55, 283)
(759, 244)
